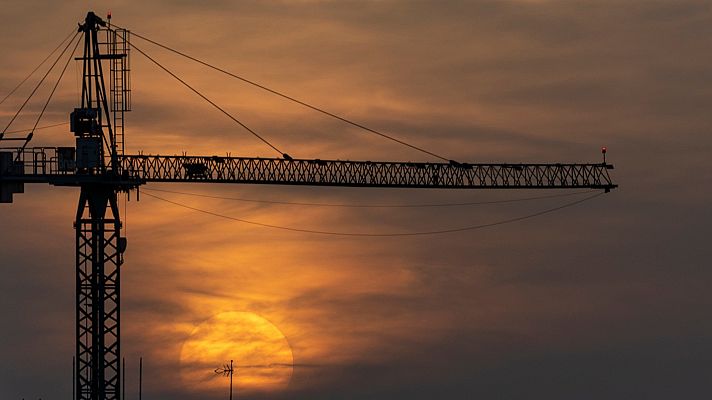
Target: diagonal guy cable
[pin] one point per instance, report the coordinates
(290, 98)
(32, 132)
(211, 102)
(36, 68)
(37, 87)
(39, 127)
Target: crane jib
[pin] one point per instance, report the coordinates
(364, 173)
(58, 166)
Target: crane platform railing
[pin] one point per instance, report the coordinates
(57, 165)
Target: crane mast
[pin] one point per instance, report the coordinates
(99, 244)
(98, 166)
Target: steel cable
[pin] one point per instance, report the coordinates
(37, 67)
(38, 128)
(295, 100)
(61, 75)
(396, 234)
(426, 205)
(37, 87)
(211, 102)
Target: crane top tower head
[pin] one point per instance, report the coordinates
(92, 22)
(97, 122)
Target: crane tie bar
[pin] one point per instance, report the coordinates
(293, 99)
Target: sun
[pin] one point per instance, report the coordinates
(262, 356)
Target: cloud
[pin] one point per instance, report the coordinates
(593, 302)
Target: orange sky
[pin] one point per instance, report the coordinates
(597, 301)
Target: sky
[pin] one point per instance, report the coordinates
(607, 299)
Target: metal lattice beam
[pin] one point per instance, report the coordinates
(98, 260)
(42, 165)
(364, 173)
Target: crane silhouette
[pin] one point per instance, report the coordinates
(98, 166)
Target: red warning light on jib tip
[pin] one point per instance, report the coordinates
(603, 150)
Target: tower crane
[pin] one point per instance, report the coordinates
(98, 166)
